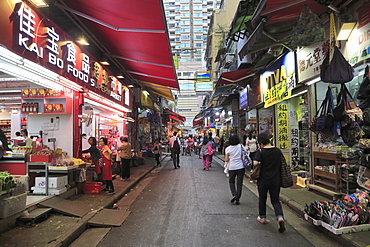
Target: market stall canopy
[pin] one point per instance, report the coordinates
(176, 119)
(134, 32)
(171, 113)
(275, 23)
(162, 91)
(234, 77)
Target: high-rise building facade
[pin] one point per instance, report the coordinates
(187, 22)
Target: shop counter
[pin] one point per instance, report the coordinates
(15, 165)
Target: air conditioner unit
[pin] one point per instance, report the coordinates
(229, 58)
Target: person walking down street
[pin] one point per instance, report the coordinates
(190, 146)
(95, 155)
(206, 153)
(269, 158)
(175, 150)
(233, 155)
(107, 165)
(125, 154)
(251, 144)
(157, 152)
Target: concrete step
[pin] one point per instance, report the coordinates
(90, 237)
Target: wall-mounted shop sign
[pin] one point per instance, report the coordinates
(279, 80)
(243, 98)
(204, 86)
(359, 42)
(33, 36)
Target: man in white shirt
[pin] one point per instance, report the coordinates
(175, 150)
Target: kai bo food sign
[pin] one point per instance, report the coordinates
(52, 48)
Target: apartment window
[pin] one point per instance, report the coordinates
(177, 32)
(197, 7)
(198, 29)
(185, 22)
(196, 14)
(185, 37)
(185, 15)
(179, 74)
(171, 25)
(177, 39)
(198, 22)
(184, 1)
(184, 30)
(187, 73)
(185, 45)
(199, 37)
(184, 7)
(198, 45)
(177, 47)
(172, 4)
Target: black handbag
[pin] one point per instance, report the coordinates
(338, 71)
(364, 90)
(325, 119)
(339, 111)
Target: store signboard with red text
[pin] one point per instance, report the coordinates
(33, 36)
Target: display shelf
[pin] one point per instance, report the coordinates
(348, 185)
(46, 105)
(332, 180)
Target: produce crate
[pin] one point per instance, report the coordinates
(92, 187)
(310, 219)
(12, 205)
(22, 181)
(54, 182)
(51, 191)
(40, 158)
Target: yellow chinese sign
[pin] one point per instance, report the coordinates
(278, 82)
(282, 126)
(276, 94)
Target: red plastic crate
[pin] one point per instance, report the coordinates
(92, 187)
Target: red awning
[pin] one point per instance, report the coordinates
(288, 10)
(176, 119)
(134, 32)
(171, 113)
(234, 76)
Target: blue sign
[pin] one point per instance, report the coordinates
(243, 98)
(204, 86)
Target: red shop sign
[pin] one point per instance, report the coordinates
(33, 36)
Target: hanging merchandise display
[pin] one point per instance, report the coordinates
(335, 68)
(308, 29)
(324, 119)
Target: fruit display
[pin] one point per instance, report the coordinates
(6, 182)
(22, 149)
(67, 162)
(45, 152)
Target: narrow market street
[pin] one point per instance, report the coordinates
(191, 207)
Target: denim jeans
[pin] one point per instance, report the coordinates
(239, 175)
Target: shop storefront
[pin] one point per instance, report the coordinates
(58, 92)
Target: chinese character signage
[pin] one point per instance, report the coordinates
(279, 80)
(282, 127)
(31, 35)
(294, 136)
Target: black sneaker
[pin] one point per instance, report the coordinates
(281, 226)
(111, 192)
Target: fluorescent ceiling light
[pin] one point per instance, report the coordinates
(10, 91)
(346, 30)
(39, 3)
(83, 42)
(120, 76)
